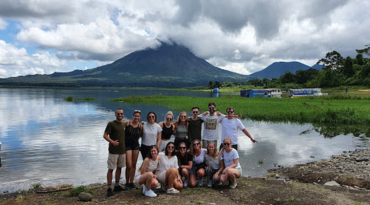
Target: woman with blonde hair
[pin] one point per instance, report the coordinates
(181, 129)
(167, 130)
(198, 169)
(232, 169)
(214, 165)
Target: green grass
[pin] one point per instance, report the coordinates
(76, 191)
(338, 110)
(71, 99)
(37, 185)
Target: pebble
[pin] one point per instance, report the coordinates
(331, 183)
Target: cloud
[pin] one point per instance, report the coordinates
(16, 61)
(242, 36)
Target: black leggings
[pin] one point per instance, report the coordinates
(144, 150)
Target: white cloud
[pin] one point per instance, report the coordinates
(240, 36)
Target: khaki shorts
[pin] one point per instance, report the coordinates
(116, 160)
(206, 142)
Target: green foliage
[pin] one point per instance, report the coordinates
(327, 109)
(332, 61)
(37, 185)
(69, 99)
(76, 191)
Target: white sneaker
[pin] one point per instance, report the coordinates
(159, 186)
(186, 182)
(200, 182)
(209, 183)
(150, 193)
(144, 189)
(233, 185)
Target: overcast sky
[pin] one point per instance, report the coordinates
(244, 36)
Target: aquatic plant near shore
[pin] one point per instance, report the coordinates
(301, 110)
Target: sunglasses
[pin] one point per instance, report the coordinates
(119, 113)
(139, 111)
(195, 112)
(211, 108)
(227, 144)
(196, 144)
(151, 116)
(183, 116)
(169, 118)
(230, 111)
(171, 147)
(182, 147)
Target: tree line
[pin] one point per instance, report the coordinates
(336, 71)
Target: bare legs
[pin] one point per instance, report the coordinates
(148, 180)
(110, 175)
(193, 177)
(171, 176)
(131, 160)
(229, 174)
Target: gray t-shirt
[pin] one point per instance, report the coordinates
(150, 133)
(181, 132)
(213, 163)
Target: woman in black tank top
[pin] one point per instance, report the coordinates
(133, 132)
(167, 130)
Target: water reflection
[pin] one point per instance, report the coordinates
(47, 140)
(333, 130)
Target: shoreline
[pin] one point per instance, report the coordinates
(350, 170)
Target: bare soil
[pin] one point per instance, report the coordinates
(301, 184)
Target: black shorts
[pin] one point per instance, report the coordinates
(132, 145)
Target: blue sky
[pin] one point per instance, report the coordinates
(46, 36)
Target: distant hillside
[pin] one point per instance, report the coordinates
(167, 66)
(278, 69)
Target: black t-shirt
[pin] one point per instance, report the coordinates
(184, 160)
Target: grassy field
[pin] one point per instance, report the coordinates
(342, 109)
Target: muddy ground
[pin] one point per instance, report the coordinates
(301, 184)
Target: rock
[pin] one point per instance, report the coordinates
(361, 159)
(83, 196)
(331, 183)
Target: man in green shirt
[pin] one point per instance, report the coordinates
(195, 126)
(115, 134)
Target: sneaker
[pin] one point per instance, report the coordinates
(132, 186)
(150, 193)
(209, 183)
(233, 185)
(109, 192)
(172, 191)
(127, 186)
(219, 183)
(159, 186)
(186, 182)
(118, 188)
(144, 189)
(200, 182)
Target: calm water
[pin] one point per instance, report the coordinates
(50, 141)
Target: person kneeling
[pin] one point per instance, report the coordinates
(232, 169)
(146, 176)
(167, 171)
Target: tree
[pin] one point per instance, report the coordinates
(333, 61)
(217, 85)
(302, 76)
(348, 67)
(288, 77)
(360, 59)
(210, 84)
(365, 50)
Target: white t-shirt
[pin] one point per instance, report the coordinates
(150, 134)
(200, 158)
(165, 163)
(229, 158)
(210, 126)
(230, 129)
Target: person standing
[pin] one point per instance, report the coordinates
(133, 132)
(230, 127)
(115, 134)
(181, 129)
(195, 126)
(211, 125)
(152, 134)
(167, 130)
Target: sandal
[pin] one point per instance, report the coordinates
(172, 191)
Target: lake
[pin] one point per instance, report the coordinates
(48, 140)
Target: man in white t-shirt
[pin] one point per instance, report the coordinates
(230, 127)
(211, 125)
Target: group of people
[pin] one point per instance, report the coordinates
(190, 160)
